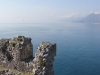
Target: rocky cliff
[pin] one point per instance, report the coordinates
(16, 57)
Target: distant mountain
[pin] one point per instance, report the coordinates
(92, 18)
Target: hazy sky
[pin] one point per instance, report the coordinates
(34, 11)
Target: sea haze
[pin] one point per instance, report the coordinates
(78, 44)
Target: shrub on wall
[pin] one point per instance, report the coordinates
(13, 44)
(43, 63)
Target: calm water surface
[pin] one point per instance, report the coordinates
(78, 45)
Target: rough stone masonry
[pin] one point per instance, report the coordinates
(17, 54)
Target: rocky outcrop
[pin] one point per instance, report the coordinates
(17, 54)
(44, 57)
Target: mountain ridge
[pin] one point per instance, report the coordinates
(91, 18)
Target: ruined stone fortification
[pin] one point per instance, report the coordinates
(17, 54)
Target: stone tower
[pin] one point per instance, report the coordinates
(20, 48)
(44, 57)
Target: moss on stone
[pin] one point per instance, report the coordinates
(13, 44)
(19, 39)
(15, 71)
(25, 73)
(43, 63)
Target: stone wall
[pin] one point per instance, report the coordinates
(17, 53)
(44, 57)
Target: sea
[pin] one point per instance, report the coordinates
(78, 44)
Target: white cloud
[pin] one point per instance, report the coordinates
(74, 15)
(97, 12)
(78, 15)
(69, 15)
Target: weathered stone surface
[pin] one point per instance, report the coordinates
(44, 58)
(17, 54)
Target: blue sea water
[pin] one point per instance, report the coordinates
(78, 45)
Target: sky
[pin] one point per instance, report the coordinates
(35, 11)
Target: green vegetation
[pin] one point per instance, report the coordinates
(15, 71)
(19, 39)
(44, 42)
(43, 63)
(13, 44)
(25, 73)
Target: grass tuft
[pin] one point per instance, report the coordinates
(13, 44)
